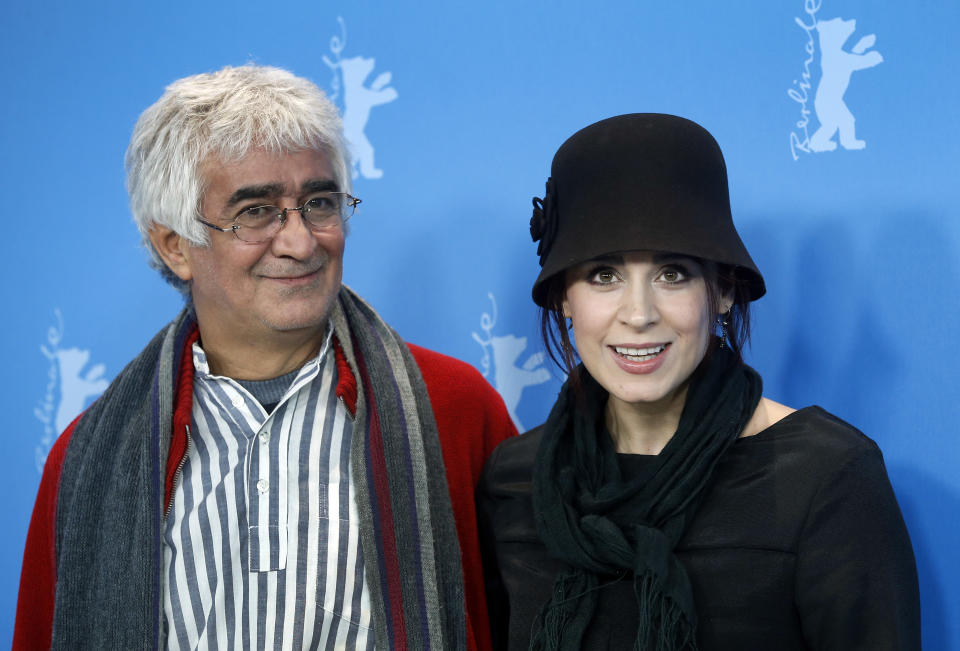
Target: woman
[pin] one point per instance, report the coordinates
(665, 504)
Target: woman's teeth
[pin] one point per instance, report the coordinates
(640, 354)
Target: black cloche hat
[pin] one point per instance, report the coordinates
(643, 181)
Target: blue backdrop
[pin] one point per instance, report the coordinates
(455, 114)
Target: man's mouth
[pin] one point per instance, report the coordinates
(298, 274)
(640, 354)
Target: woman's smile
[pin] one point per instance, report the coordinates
(640, 359)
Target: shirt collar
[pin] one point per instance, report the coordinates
(202, 367)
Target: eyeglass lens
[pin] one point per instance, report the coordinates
(260, 223)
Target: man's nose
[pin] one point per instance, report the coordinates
(295, 238)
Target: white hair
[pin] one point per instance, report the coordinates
(223, 115)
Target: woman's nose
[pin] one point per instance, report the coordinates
(637, 306)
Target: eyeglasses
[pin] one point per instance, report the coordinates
(262, 223)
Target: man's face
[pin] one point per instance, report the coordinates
(289, 283)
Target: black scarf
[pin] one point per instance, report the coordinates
(603, 526)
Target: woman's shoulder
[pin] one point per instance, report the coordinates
(512, 461)
(814, 431)
(766, 414)
(525, 444)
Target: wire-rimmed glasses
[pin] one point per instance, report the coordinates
(261, 223)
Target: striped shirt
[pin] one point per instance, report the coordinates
(261, 547)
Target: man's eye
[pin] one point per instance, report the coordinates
(258, 213)
(323, 203)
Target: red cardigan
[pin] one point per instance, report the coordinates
(471, 421)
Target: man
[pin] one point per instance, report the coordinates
(269, 471)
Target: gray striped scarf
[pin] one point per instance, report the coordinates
(110, 502)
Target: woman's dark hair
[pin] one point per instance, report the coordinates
(722, 280)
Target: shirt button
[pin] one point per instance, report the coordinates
(264, 437)
(237, 401)
(263, 485)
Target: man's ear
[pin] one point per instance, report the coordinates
(172, 248)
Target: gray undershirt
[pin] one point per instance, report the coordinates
(269, 392)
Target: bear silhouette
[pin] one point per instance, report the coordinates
(837, 65)
(511, 379)
(358, 100)
(75, 386)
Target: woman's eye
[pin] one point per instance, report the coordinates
(673, 275)
(603, 276)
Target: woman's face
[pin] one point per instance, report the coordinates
(641, 322)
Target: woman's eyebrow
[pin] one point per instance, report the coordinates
(660, 258)
(606, 259)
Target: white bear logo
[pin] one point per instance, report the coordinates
(358, 100)
(69, 387)
(509, 377)
(77, 387)
(837, 65)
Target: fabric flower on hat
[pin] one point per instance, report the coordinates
(543, 223)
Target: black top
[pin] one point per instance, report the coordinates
(799, 544)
